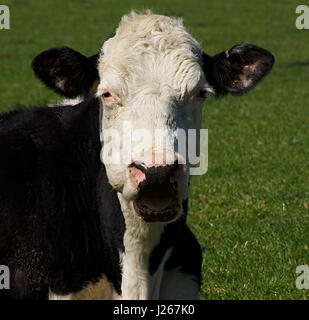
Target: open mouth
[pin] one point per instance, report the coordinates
(157, 209)
(157, 199)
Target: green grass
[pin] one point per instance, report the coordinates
(251, 210)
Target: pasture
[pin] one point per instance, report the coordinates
(250, 211)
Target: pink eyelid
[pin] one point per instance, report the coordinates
(110, 97)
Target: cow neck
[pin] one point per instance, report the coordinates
(139, 240)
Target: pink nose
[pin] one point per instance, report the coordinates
(137, 172)
(155, 174)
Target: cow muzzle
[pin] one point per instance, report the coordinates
(158, 190)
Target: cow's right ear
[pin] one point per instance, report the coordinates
(66, 71)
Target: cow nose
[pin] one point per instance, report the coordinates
(137, 173)
(163, 177)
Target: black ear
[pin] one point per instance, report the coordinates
(239, 69)
(66, 71)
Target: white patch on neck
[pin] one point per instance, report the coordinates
(139, 240)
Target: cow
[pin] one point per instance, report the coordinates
(76, 223)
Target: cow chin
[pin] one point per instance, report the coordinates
(156, 208)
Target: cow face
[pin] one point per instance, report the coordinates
(151, 90)
(153, 81)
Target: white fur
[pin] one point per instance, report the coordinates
(67, 102)
(73, 102)
(153, 68)
(139, 240)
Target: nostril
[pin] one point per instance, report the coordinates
(137, 173)
(139, 165)
(154, 177)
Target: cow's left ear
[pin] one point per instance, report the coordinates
(66, 71)
(239, 69)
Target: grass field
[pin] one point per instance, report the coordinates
(251, 210)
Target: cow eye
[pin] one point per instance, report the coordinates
(202, 94)
(109, 97)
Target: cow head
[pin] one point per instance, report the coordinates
(152, 79)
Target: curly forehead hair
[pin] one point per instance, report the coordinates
(143, 29)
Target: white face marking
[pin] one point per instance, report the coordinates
(151, 71)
